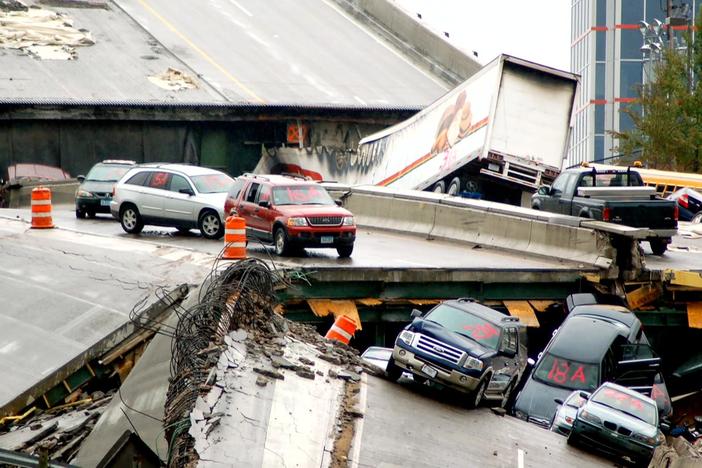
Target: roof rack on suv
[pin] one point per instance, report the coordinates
(295, 175)
(466, 299)
(255, 176)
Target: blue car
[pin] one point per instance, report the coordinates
(465, 346)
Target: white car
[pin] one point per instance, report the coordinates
(174, 195)
(565, 413)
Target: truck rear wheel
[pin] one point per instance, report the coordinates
(472, 185)
(393, 370)
(454, 187)
(658, 246)
(439, 187)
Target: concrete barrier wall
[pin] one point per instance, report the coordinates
(61, 193)
(415, 41)
(479, 222)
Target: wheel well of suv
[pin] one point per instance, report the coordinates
(276, 225)
(207, 210)
(124, 205)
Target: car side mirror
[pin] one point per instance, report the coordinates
(558, 400)
(665, 427)
(584, 395)
(338, 202)
(264, 204)
(530, 362)
(187, 191)
(80, 178)
(416, 314)
(544, 190)
(510, 353)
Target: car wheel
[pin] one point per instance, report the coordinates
(80, 214)
(280, 240)
(658, 246)
(91, 214)
(393, 370)
(454, 187)
(506, 395)
(476, 396)
(130, 219)
(439, 187)
(183, 230)
(210, 225)
(697, 218)
(344, 251)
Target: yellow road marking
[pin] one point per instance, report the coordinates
(204, 54)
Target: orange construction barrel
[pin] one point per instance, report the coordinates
(234, 238)
(41, 208)
(342, 330)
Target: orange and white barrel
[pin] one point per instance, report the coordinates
(41, 208)
(342, 330)
(234, 238)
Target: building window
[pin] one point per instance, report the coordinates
(631, 43)
(600, 81)
(599, 118)
(600, 45)
(655, 9)
(629, 79)
(632, 12)
(599, 148)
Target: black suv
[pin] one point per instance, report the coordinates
(94, 193)
(465, 346)
(596, 343)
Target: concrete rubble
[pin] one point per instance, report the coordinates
(42, 33)
(174, 80)
(56, 433)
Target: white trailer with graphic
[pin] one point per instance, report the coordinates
(501, 134)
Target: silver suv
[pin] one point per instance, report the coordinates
(174, 195)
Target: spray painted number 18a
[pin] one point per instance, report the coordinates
(561, 372)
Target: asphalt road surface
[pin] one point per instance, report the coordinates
(411, 425)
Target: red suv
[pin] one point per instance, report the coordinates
(291, 213)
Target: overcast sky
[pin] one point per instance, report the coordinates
(536, 30)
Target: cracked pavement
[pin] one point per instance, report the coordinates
(64, 291)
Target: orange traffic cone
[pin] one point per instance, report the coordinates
(41, 208)
(342, 330)
(234, 238)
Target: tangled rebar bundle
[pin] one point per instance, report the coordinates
(238, 295)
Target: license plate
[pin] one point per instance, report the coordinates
(430, 371)
(327, 239)
(105, 202)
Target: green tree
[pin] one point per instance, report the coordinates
(667, 114)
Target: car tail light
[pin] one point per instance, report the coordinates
(683, 201)
(607, 214)
(676, 213)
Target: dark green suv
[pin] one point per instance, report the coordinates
(95, 191)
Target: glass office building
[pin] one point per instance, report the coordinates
(606, 52)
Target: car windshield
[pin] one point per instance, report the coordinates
(301, 195)
(106, 173)
(466, 324)
(626, 403)
(567, 373)
(381, 353)
(212, 183)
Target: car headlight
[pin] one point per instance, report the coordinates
(348, 221)
(84, 193)
(473, 363)
(521, 415)
(645, 439)
(589, 417)
(406, 336)
(298, 221)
